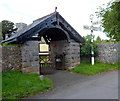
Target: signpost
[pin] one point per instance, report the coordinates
(92, 28)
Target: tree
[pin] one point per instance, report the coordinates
(8, 28)
(1, 32)
(98, 39)
(111, 19)
(87, 46)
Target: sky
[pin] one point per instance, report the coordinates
(75, 12)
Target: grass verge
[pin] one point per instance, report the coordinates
(88, 69)
(18, 85)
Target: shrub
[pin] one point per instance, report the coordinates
(87, 46)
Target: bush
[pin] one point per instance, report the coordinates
(86, 47)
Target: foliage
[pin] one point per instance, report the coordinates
(107, 42)
(7, 28)
(17, 85)
(1, 32)
(87, 46)
(111, 19)
(88, 69)
(9, 44)
(98, 39)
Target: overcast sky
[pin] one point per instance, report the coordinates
(75, 12)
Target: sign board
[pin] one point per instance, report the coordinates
(96, 23)
(92, 28)
(87, 27)
(97, 29)
(44, 48)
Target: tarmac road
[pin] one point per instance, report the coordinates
(74, 86)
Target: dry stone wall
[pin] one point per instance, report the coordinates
(10, 57)
(108, 53)
(0, 58)
(25, 57)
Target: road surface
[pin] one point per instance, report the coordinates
(75, 86)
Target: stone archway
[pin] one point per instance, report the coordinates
(62, 47)
(53, 36)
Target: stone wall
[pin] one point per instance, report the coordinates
(72, 55)
(0, 58)
(10, 57)
(71, 50)
(26, 58)
(108, 53)
(85, 59)
(30, 57)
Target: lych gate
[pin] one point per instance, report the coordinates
(63, 41)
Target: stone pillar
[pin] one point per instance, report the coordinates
(30, 57)
(72, 57)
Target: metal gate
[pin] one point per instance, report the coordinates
(46, 66)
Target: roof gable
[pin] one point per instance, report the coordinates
(54, 20)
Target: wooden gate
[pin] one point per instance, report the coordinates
(46, 66)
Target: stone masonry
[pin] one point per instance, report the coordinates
(10, 57)
(108, 53)
(30, 57)
(0, 58)
(25, 57)
(71, 50)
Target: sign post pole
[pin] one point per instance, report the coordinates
(92, 28)
(92, 52)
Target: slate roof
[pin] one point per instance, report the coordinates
(41, 23)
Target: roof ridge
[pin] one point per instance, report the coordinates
(44, 16)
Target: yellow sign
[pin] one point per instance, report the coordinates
(44, 48)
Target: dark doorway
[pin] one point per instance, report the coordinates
(51, 61)
(60, 61)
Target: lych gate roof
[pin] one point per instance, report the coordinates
(53, 20)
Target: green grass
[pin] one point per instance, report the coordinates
(88, 69)
(18, 85)
(8, 44)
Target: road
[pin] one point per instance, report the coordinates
(74, 86)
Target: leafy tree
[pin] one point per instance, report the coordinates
(87, 46)
(111, 19)
(0, 32)
(8, 28)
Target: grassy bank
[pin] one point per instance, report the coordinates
(88, 69)
(17, 85)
